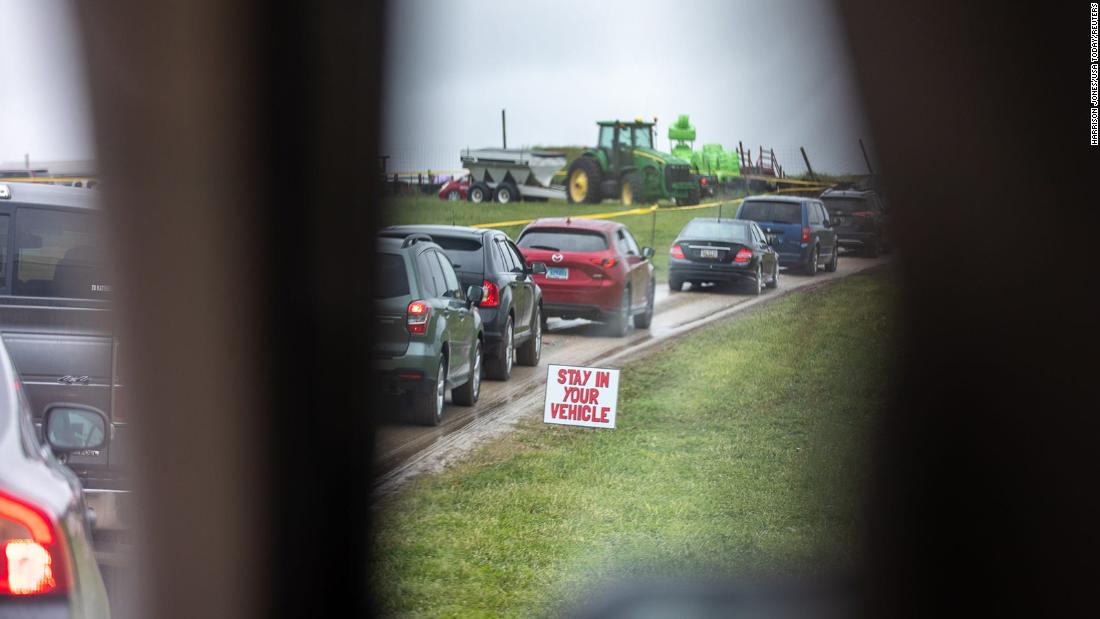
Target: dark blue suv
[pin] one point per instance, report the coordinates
(805, 238)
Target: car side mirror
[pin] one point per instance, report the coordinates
(537, 268)
(647, 252)
(71, 427)
(474, 295)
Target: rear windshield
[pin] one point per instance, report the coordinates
(392, 280)
(731, 231)
(59, 254)
(847, 206)
(465, 253)
(563, 240)
(772, 212)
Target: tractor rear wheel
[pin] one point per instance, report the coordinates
(583, 181)
(631, 188)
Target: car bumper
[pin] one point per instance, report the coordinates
(571, 310)
(719, 272)
(112, 508)
(413, 372)
(855, 239)
(604, 295)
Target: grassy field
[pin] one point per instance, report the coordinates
(738, 451)
(432, 210)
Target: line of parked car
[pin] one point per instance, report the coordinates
(455, 304)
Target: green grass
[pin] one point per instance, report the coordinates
(738, 451)
(432, 210)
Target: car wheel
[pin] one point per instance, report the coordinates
(811, 266)
(758, 281)
(500, 367)
(675, 284)
(831, 267)
(774, 281)
(428, 407)
(479, 193)
(620, 323)
(506, 193)
(467, 394)
(642, 321)
(529, 353)
(453, 195)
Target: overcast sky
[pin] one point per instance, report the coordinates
(765, 73)
(43, 91)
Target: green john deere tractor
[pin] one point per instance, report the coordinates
(625, 165)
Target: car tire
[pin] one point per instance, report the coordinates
(467, 394)
(642, 321)
(479, 193)
(528, 354)
(500, 366)
(506, 193)
(813, 261)
(758, 281)
(428, 407)
(620, 323)
(593, 176)
(831, 267)
(675, 284)
(774, 281)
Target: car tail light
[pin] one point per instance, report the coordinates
(676, 252)
(492, 295)
(418, 314)
(805, 234)
(703, 181)
(606, 263)
(743, 255)
(33, 560)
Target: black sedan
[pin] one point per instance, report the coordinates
(711, 249)
(47, 568)
(511, 310)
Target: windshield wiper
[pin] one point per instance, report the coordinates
(546, 247)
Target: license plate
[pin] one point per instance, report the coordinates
(708, 253)
(557, 273)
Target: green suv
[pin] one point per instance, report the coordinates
(428, 335)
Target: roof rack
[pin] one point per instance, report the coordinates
(413, 239)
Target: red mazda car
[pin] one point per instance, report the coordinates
(594, 269)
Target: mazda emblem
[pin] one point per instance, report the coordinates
(557, 257)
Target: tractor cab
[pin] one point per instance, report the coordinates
(618, 139)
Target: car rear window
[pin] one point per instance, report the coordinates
(465, 253)
(847, 206)
(772, 212)
(730, 231)
(563, 240)
(59, 254)
(392, 280)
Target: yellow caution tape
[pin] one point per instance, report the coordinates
(519, 222)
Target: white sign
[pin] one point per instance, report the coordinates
(577, 396)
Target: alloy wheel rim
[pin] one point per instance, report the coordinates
(477, 371)
(578, 185)
(508, 349)
(440, 389)
(538, 335)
